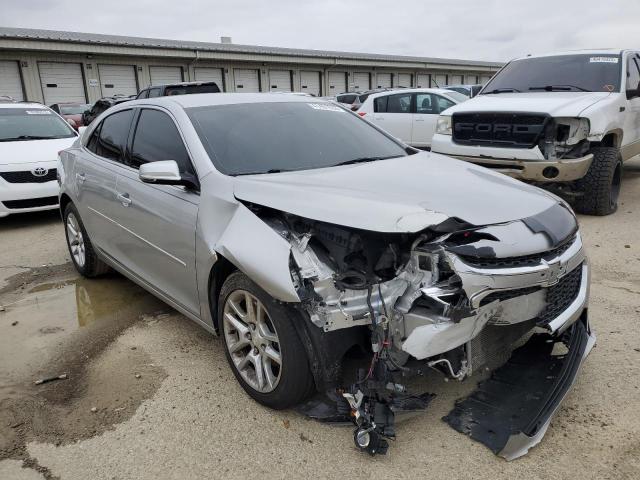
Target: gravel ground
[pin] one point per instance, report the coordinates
(149, 395)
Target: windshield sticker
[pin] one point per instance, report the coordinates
(38, 112)
(326, 107)
(603, 60)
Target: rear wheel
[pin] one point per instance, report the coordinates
(600, 187)
(83, 256)
(261, 344)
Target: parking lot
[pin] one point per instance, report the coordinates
(148, 394)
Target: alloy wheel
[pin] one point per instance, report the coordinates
(76, 240)
(252, 341)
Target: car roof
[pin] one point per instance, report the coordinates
(441, 91)
(25, 105)
(182, 84)
(208, 99)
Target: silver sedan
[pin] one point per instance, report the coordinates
(304, 235)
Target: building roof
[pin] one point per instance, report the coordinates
(142, 42)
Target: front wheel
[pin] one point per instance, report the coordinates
(600, 187)
(262, 345)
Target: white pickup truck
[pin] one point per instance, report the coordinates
(563, 121)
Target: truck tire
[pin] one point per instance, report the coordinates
(600, 187)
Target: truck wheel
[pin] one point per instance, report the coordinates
(262, 345)
(600, 187)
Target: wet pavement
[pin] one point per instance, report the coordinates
(149, 395)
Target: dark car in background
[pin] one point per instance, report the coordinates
(71, 112)
(101, 105)
(183, 88)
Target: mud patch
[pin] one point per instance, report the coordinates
(53, 323)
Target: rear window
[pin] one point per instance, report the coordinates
(18, 124)
(74, 109)
(584, 72)
(266, 137)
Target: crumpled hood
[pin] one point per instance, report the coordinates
(556, 104)
(29, 151)
(406, 194)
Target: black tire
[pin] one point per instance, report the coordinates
(600, 187)
(296, 381)
(92, 266)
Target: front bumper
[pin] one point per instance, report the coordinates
(27, 197)
(522, 163)
(565, 170)
(511, 411)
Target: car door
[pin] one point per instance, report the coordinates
(95, 178)
(393, 114)
(157, 239)
(424, 119)
(631, 138)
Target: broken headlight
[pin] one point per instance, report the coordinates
(443, 126)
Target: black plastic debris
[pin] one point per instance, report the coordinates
(510, 411)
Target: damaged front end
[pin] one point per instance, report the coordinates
(454, 297)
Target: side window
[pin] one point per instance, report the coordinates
(399, 103)
(143, 94)
(55, 108)
(157, 138)
(380, 104)
(633, 73)
(92, 144)
(443, 104)
(426, 104)
(154, 92)
(114, 132)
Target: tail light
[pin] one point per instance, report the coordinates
(362, 114)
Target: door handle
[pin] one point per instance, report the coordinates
(124, 199)
(80, 178)
(419, 119)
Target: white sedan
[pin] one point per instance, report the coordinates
(31, 135)
(409, 114)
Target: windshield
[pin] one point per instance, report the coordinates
(32, 124)
(458, 97)
(78, 109)
(584, 72)
(268, 137)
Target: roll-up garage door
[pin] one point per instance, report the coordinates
(280, 80)
(423, 80)
(337, 83)
(471, 79)
(165, 75)
(10, 82)
(209, 74)
(441, 80)
(246, 80)
(118, 80)
(310, 83)
(384, 80)
(361, 81)
(404, 80)
(62, 82)
(456, 79)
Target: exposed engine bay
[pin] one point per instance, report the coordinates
(565, 137)
(454, 297)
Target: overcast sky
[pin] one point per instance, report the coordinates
(469, 29)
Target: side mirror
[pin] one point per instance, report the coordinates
(166, 172)
(633, 92)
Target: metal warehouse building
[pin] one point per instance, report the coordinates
(53, 66)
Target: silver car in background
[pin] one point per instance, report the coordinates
(303, 234)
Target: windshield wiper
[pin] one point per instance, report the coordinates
(273, 170)
(503, 90)
(365, 160)
(28, 137)
(567, 88)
